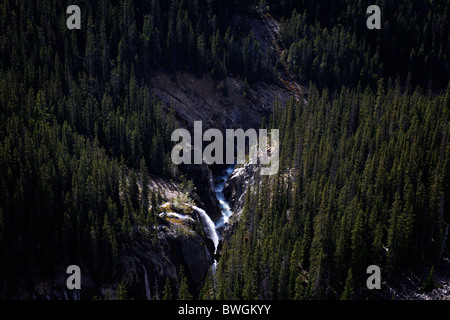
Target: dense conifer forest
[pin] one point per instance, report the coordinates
(363, 181)
(365, 153)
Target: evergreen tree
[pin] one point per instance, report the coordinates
(121, 291)
(429, 283)
(348, 293)
(183, 292)
(167, 292)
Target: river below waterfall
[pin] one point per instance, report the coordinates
(219, 184)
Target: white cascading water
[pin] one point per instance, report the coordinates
(208, 224)
(223, 203)
(179, 216)
(209, 227)
(147, 286)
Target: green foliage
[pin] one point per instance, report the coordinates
(429, 283)
(348, 293)
(359, 180)
(208, 292)
(187, 186)
(80, 131)
(310, 58)
(363, 173)
(219, 71)
(183, 292)
(121, 292)
(167, 292)
(328, 42)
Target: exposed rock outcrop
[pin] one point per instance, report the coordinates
(144, 263)
(218, 104)
(237, 186)
(202, 178)
(181, 242)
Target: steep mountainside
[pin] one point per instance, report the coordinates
(87, 178)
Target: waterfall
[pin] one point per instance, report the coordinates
(147, 287)
(209, 227)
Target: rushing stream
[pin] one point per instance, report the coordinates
(223, 203)
(209, 226)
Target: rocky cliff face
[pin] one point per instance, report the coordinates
(229, 104)
(144, 264)
(180, 243)
(237, 185)
(226, 104)
(202, 178)
(218, 104)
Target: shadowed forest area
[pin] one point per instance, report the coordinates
(364, 159)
